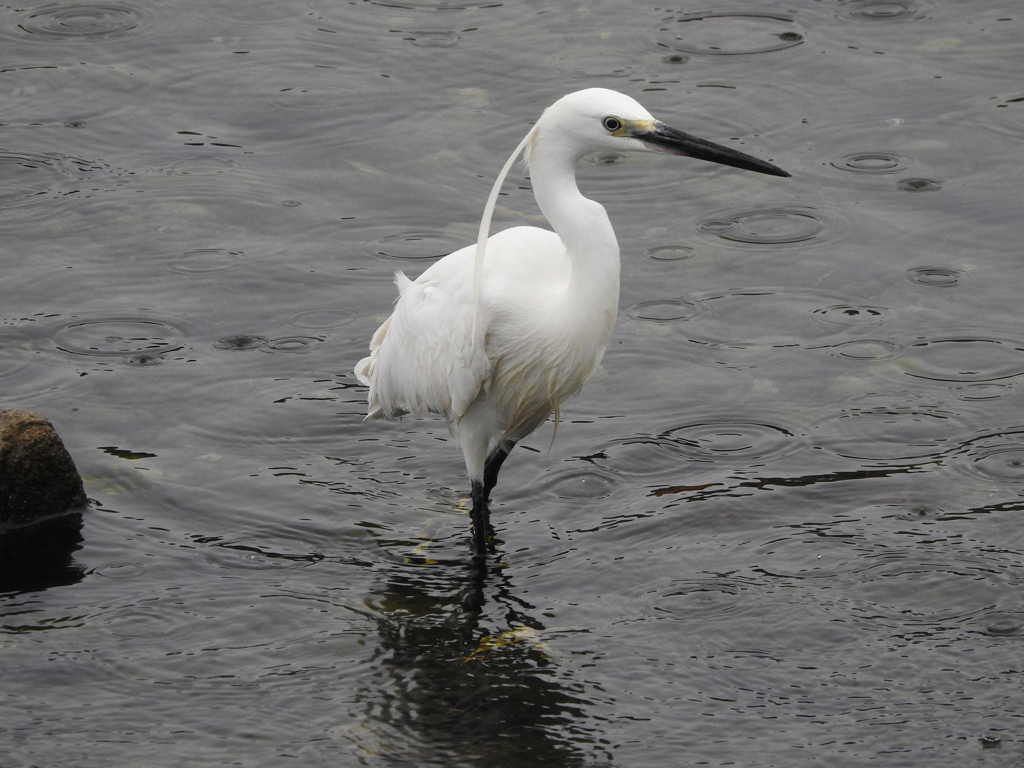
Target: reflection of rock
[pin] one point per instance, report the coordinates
(38, 478)
(41, 556)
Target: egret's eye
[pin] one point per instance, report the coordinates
(612, 124)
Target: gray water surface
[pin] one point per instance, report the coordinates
(780, 526)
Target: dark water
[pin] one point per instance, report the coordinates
(781, 526)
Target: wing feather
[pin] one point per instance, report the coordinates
(428, 357)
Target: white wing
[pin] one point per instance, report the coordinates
(428, 357)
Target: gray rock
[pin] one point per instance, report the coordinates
(38, 479)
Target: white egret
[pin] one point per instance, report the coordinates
(496, 336)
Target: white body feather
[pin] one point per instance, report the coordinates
(497, 369)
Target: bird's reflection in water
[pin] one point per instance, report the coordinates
(466, 679)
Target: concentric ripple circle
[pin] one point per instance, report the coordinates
(995, 456)
(890, 428)
(761, 318)
(727, 440)
(119, 336)
(241, 343)
(866, 349)
(966, 359)
(581, 484)
(416, 246)
(31, 178)
(320, 319)
(882, 10)
(670, 253)
(663, 310)
(850, 316)
(294, 345)
(871, 162)
(729, 34)
(205, 260)
(769, 225)
(80, 21)
(1005, 464)
(935, 277)
(919, 185)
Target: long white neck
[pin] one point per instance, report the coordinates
(581, 223)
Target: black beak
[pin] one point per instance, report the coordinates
(666, 139)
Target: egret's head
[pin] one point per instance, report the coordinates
(599, 119)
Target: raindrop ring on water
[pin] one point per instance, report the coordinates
(82, 21)
(119, 336)
(731, 440)
(320, 319)
(919, 185)
(965, 359)
(729, 34)
(848, 315)
(866, 349)
(241, 343)
(871, 162)
(292, 344)
(414, 245)
(663, 310)
(882, 10)
(935, 277)
(205, 260)
(670, 253)
(581, 484)
(766, 226)
(996, 456)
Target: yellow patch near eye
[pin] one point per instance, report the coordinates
(644, 126)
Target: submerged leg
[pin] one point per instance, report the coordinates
(493, 465)
(479, 516)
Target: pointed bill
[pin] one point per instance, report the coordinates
(663, 138)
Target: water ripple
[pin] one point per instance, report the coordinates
(320, 319)
(866, 349)
(753, 318)
(733, 440)
(919, 185)
(882, 11)
(766, 225)
(965, 358)
(670, 253)
(81, 21)
(241, 343)
(205, 260)
(935, 277)
(850, 316)
(702, 598)
(995, 456)
(881, 427)
(597, 64)
(729, 34)
(117, 336)
(416, 246)
(580, 484)
(875, 162)
(711, 439)
(34, 180)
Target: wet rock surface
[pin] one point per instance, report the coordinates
(38, 478)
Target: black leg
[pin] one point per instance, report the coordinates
(493, 465)
(479, 516)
